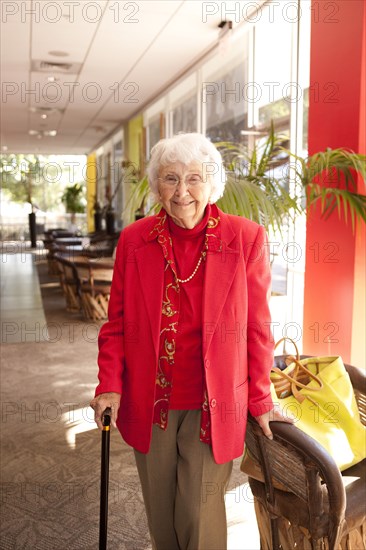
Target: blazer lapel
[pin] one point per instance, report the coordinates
(220, 271)
(150, 263)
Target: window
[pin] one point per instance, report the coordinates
(304, 76)
(153, 134)
(185, 116)
(275, 88)
(224, 97)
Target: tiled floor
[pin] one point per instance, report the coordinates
(22, 315)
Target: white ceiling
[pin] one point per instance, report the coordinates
(124, 52)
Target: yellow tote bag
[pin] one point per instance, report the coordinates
(318, 392)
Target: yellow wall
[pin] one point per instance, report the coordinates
(91, 188)
(134, 152)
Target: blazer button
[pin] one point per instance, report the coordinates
(207, 363)
(213, 403)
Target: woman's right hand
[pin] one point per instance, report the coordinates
(101, 402)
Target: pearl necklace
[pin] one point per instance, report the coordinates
(202, 256)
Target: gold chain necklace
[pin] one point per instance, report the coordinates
(202, 256)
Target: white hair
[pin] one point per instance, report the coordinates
(187, 148)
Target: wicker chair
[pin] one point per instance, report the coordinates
(69, 282)
(50, 243)
(95, 287)
(301, 498)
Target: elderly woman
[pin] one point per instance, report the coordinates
(187, 349)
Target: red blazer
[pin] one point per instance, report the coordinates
(236, 338)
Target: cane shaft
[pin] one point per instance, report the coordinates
(104, 482)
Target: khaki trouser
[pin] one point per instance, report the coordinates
(183, 487)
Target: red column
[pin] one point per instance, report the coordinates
(334, 300)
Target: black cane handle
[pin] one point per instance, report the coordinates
(106, 418)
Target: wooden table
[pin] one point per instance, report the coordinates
(68, 241)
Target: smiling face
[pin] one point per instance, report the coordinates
(184, 191)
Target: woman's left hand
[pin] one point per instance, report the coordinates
(276, 414)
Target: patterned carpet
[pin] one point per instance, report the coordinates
(50, 457)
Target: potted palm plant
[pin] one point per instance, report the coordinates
(339, 169)
(28, 176)
(140, 201)
(258, 183)
(127, 173)
(73, 200)
(97, 209)
(257, 186)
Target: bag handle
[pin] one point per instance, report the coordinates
(295, 384)
(292, 342)
(294, 380)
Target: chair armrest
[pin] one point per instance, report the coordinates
(325, 464)
(293, 456)
(312, 450)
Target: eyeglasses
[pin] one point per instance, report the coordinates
(173, 180)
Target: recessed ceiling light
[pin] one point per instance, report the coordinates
(58, 53)
(33, 132)
(43, 116)
(52, 79)
(51, 133)
(4, 147)
(46, 110)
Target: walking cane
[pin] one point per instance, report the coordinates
(104, 479)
